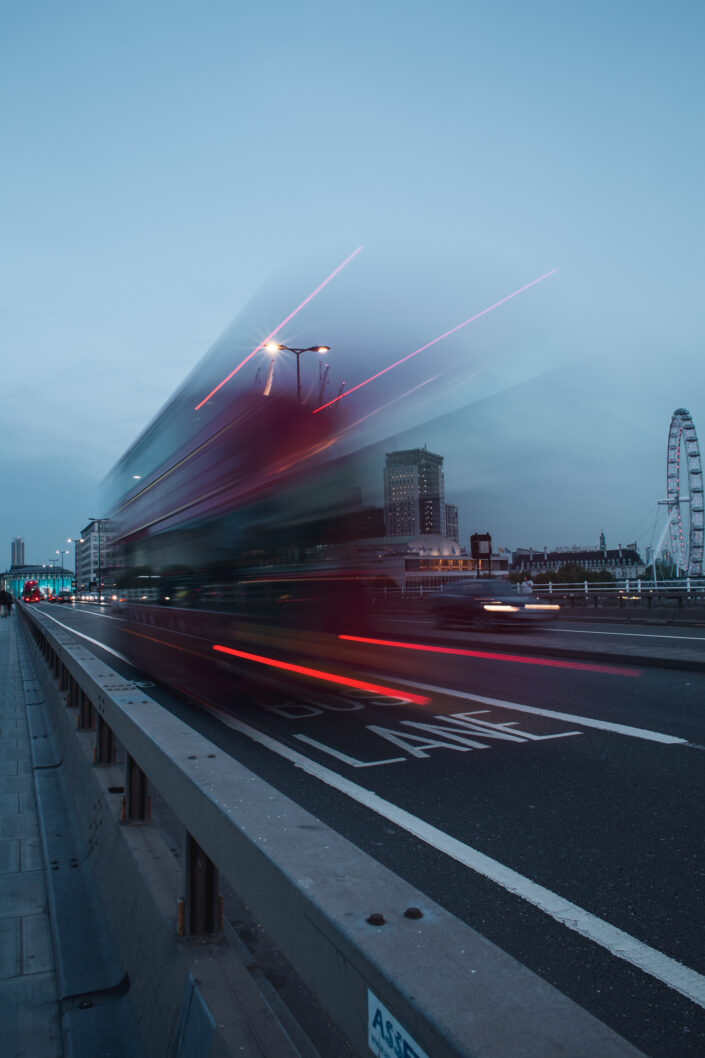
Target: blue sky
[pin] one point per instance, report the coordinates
(162, 161)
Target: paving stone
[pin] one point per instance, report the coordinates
(19, 826)
(29, 1015)
(31, 854)
(16, 784)
(37, 950)
(9, 856)
(9, 804)
(9, 947)
(22, 894)
(8, 767)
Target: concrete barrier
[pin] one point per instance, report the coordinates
(396, 981)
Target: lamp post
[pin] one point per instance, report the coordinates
(99, 523)
(75, 540)
(62, 553)
(275, 347)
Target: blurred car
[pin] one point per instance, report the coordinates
(65, 596)
(487, 606)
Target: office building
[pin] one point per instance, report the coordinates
(414, 493)
(92, 553)
(452, 522)
(17, 551)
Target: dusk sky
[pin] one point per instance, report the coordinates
(163, 163)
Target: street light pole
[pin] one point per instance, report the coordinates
(75, 541)
(275, 347)
(62, 553)
(98, 522)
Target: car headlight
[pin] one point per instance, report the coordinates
(500, 607)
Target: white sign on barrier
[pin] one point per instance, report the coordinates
(386, 1037)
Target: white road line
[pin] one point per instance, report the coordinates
(90, 639)
(95, 613)
(620, 944)
(637, 635)
(571, 718)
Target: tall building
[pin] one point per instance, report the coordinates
(452, 522)
(414, 493)
(18, 551)
(91, 555)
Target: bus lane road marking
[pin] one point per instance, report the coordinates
(461, 732)
(617, 942)
(552, 714)
(302, 711)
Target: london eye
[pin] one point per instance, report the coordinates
(685, 511)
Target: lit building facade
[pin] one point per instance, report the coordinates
(620, 561)
(414, 493)
(92, 553)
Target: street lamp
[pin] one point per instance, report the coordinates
(62, 553)
(75, 540)
(275, 347)
(99, 523)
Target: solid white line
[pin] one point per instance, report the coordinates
(572, 718)
(97, 642)
(637, 635)
(620, 944)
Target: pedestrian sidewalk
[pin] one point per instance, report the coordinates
(29, 1006)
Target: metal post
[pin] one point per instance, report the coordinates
(298, 375)
(104, 743)
(136, 802)
(85, 720)
(200, 911)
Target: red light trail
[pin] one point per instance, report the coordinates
(276, 330)
(329, 677)
(436, 340)
(552, 663)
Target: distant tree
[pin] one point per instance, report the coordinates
(574, 573)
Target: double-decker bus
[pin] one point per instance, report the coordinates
(233, 550)
(31, 592)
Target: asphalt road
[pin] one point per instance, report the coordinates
(555, 807)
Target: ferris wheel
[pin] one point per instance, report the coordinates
(685, 513)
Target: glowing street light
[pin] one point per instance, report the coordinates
(275, 347)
